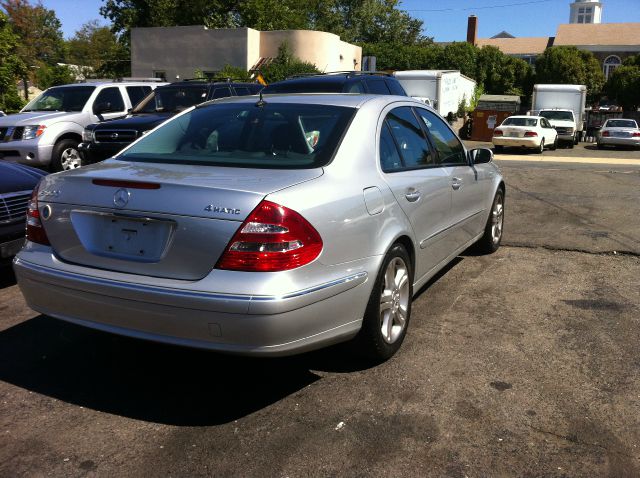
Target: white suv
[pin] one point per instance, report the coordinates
(47, 131)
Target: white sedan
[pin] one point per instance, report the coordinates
(619, 132)
(530, 132)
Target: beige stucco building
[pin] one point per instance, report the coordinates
(177, 52)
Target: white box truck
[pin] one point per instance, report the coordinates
(563, 106)
(441, 89)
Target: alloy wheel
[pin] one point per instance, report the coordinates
(70, 159)
(394, 300)
(497, 219)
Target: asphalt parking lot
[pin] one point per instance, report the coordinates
(522, 363)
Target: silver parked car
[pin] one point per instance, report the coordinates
(619, 132)
(263, 226)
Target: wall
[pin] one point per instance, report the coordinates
(179, 51)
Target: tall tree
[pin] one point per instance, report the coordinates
(624, 86)
(39, 30)
(460, 56)
(568, 65)
(11, 66)
(97, 48)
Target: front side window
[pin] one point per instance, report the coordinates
(273, 136)
(108, 100)
(450, 149)
(67, 98)
(408, 135)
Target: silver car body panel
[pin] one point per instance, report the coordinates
(358, 210)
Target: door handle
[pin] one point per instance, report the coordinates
(456, 183)
(412, 195)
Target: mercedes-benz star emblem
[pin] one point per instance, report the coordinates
(114, 135)
(121, 198)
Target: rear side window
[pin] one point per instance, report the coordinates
(275, 136)
(109, 100)
(395, 87)
(313, 85)
(413, 146)
(389, 157)
(449, 147)
(136, 93)
(171, 99)
(354, 87)
(377, 86)
(242, 90)
(222, 92)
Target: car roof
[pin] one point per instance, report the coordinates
(110, 83)
(526, 116)
(352, 100)
(197, 82)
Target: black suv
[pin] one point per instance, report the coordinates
(104, 140)
(374, 83)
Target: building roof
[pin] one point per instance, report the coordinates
(580, 34)
(503, 34)
(517, 46)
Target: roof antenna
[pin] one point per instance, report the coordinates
(261, 102)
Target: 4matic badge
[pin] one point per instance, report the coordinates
(222, 210)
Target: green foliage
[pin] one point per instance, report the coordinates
(286, 65)
(475, 99)
(461, 56)
(632, 61)
(624, 86)
(568, 65)
(391, 56)
(234, 73)
(10, 67)
(98, 52)
(47, 76)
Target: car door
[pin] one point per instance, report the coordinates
(468, 184)
(550, 134)
(420, 187)
(108, 104)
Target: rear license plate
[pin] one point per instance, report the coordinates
(621, 134)
(142, 239)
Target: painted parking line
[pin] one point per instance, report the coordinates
(565, 159)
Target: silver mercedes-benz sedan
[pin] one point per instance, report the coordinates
(266, 226)
(619, 132)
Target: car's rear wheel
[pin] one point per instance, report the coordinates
(65, 155)
(600, 146)
(498, 149)
(389, 308)
(540, 149)
(492, 237)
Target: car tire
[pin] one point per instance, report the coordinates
(498, 149)
(554, 146)
(492, 237)
(388, 311)
(540, 149)
(571, 144)
(65, 155)
(600, 146)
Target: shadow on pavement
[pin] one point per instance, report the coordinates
(153, 382)
(7, 277)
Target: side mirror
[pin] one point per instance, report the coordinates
(100, 108)
(481, 155)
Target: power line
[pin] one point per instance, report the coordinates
(462, 9)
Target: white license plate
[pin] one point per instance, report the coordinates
(621, 134)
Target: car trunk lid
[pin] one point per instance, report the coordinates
(163, 220)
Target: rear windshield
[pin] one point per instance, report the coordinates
(621, 124)
(276, 136)
(168, 99)
(66, 98)
(520, 122)
(305, 86)
(557, 115)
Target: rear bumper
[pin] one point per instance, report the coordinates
(252, 325)
(612, 141)
(508, 142)
(31, 152)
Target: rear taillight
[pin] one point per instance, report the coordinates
(497, 132)
(35, 231)
(273, 238)
(530, 134)
(636, 134)
(605, 133)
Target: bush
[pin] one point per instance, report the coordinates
(285, 65)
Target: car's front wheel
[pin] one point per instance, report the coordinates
(389, 308)
(65, 155)
(492, 237)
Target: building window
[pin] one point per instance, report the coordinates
(581, 10)
(160, 74)
(588, 10)
(580, 18)
(587, 19)
(611, 63)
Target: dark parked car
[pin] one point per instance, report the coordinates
(103, 140)
(340, 82)
(16, 184)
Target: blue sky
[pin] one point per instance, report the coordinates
(445, 20)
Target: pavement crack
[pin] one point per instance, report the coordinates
(522, 245)
(572, 438)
